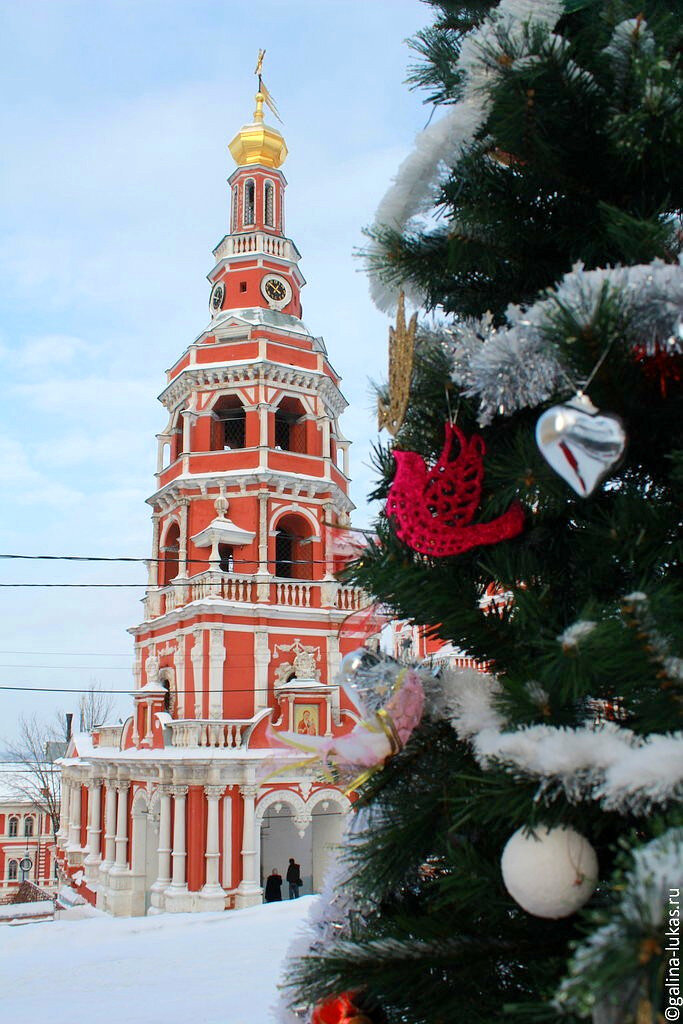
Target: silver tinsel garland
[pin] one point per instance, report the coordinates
(518, 366)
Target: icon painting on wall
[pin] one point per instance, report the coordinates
(307, 719)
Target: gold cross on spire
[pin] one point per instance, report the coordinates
(259, 65)
(263, 91)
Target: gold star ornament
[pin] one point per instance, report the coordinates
(391, 411)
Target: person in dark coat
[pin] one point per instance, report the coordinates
(273, 887)
(293, 878)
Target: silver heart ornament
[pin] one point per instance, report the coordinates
(580, 443)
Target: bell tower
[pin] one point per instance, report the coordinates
(244, 622)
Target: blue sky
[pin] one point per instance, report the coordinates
(114, 123)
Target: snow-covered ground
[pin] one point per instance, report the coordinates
(170, 969)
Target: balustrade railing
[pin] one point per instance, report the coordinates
(225, 734)
(351, 599)
(255, 241)
(248, 589)
(293, 593)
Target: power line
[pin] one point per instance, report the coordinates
(67, 654)
(133, 690)
(95, 668)
(162, 561)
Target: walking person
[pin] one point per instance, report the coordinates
(274, 886)
(294, 878)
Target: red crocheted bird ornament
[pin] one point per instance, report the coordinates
(432, 509)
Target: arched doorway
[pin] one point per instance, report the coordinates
(282, 839)
(309, 832)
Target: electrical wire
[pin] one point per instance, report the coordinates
(67, 654)
(161, 561)
(132, 690)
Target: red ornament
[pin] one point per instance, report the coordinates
(660, 366)
(432, 509)
(339, 1010)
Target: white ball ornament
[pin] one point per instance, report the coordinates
(549, 872)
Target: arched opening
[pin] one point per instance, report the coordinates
(177, 438)
(309, 834)
(13, 827)
(167, 681)
(28, 826)
(268, 204)
(169, 553)
(249, 201)
(294, 548)
(229, 424)
(290, 426)
(12, 869)
(226, 558)
(280, 840)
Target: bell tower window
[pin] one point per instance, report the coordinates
(284, 544)
(293, 548)
(268, 205)
(170, 550)
(229, 424)
(249, 201)
(290, 426)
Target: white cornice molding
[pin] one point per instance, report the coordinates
(241, 610)
(177, 488)
(257, 371)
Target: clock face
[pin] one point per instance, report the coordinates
(277, 290)
(217, 296)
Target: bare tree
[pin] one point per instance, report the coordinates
(38, 777)
(94, 707)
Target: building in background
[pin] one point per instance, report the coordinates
(27, 842)
(181, 808)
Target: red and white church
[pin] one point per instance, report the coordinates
(177, 809)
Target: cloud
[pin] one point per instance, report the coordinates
(49, 350)
(25, 484)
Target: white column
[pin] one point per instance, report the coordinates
(197, 658)
(121, 840)
(109, 824)
(164, 849)
(64, 812)
(75, 817)
(261, 662)
(216, 662)
(94, 827)
(179, 662)
(263, 534)
(184, 506)
(263, 424)
(249, 890)
(189, 416)
(153, 565)
(211, 889)
(179, 854)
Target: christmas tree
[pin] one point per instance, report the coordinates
(520, 855)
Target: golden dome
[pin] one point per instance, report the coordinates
(258, 143)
